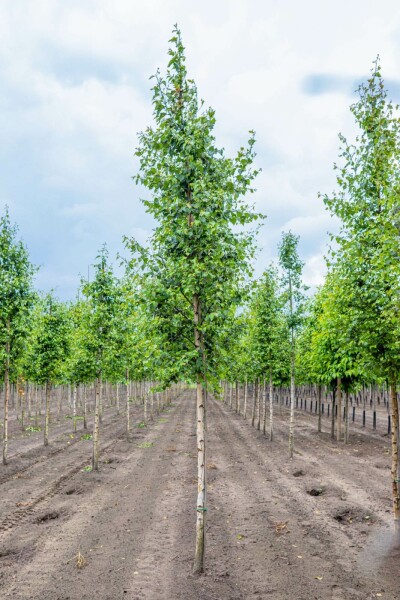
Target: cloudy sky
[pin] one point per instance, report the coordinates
(75, 90)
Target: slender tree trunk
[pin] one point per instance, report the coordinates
(36, 405)
(201, 395)
(60, 391)
(84, 406)
(264, 408)
(201, 507)
(319, 408)
(259, 404)
(292, 377)
(100, 399)
(145, 407)
(21, 394)
(128, 406)
(6, 400)
(395, 449)
(47, 414)
(346, 422)
(117, 394)
(151, 405)
(333, 413)
(236, 396)
(245, 400)
(96, 425)
(271, 406)
(253, 412)
(74, 391)
(339, 410)
(69, 398)
(292, 397)
(29, 398)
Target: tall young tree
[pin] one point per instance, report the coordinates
(292, 268)
(101, 294)
(269, 333)
(80, 367)
(16, 299)
(197, 261)
(368, 246)
(49, 348)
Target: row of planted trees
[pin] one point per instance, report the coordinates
(187, 310)
(213, 323)
(101, 337)
(347, 335)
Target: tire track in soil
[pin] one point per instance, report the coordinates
(359, 476)
(40, 453)
(74, 465)
(154, 563)
(164, 566)
(362, 491)
(324, 549)
(13, 519)
(136, 525)
(112, 521)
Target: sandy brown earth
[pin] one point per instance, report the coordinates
(316, 527)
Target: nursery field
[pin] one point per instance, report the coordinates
(318, 526)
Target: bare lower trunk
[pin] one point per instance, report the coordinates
(253, 413)
(29, 399)
(36, 405)
(292, 378)
(245, 400)
(59, 404)
(6, 403)
(21, 393)
(128, 406)
(333, 414)
(265, 409)
(96, 426)
(292, 401)
(319, 409)
(271, 407)
(259, 402)
(145, 407)
(201, 507)
(346, 422)
(339, 410)
(84, 407)
(100, 385)
(117, 398)
(47, 414)
(201, 396)
(395, 449)
(151, 406)
(74, 392)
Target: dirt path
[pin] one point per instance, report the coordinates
(318, 527)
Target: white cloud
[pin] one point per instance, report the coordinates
(69, 140)
(314, 271)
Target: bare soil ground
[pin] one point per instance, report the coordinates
(315, 527)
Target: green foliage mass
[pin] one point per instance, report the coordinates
(17, 296)
(197, 255)
(365, 267)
